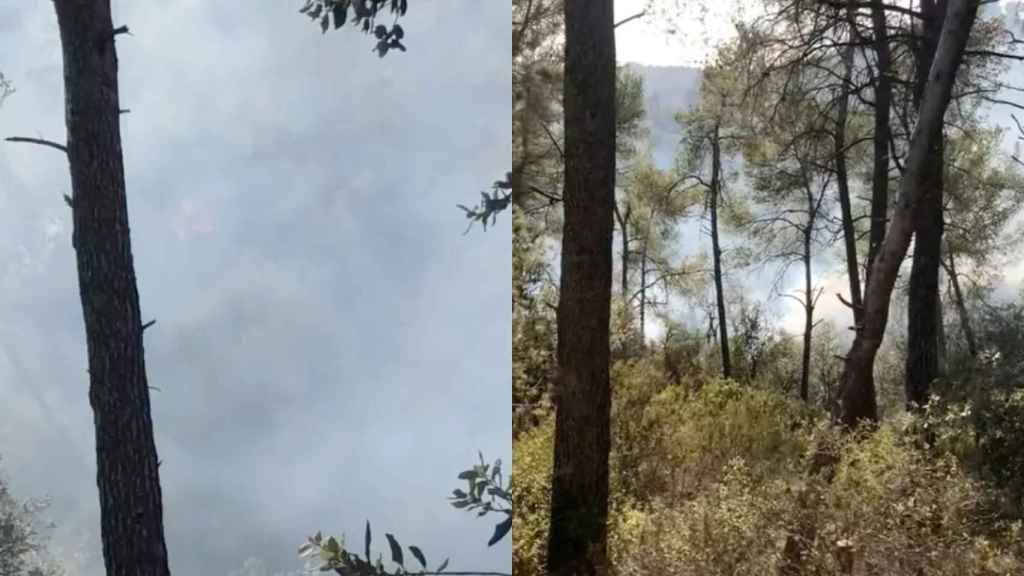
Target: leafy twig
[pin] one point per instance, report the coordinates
(490, 206)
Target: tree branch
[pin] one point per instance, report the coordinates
(640, 14)
(39, 141)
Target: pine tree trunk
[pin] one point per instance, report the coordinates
(858, 400)
(922, 362)
(625, 260)
(577, 540)
(940, 314)
(813, 205)
(843, 185)
(716, 250)
(880, 139)
(127, 476)
(805, 364)
(643, 291)
(623, 219)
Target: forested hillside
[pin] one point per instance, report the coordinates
(810, 270)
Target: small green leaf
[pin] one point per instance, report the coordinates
(325, 23)
(396, 549)
(467, 474)
(500, 530)
(397, 32)
(461, 503)
(442, 566)
(459, 493)
(419, 556)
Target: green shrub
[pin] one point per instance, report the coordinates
(734, 526)
(711, 482)
(672, 443)
(532, 459)
(907, 509)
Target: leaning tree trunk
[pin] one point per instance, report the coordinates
(716, 251)
(922, 362)
(129, 482)
(858, 398)
(577, 540)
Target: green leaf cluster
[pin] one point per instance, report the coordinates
(363, 14)
(334, 557)
(485, 493)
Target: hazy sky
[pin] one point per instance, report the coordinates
(675, 32)
(329, 348)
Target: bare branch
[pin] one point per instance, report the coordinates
(640, 14)
(39, 141)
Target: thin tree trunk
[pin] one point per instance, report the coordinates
(922, 362)
(131, 514)
(623, 220)
(961, 307)
(643, 292)
(577, 539)
(716, 251)
(627, 303)
(880, 140)
(941, 336)
(858, 400)
(843, 185)
(805, 365)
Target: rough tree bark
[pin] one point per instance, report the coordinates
(127, 467)
(716, 250)
(858, 400)
(922, 361)
(577, 540)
